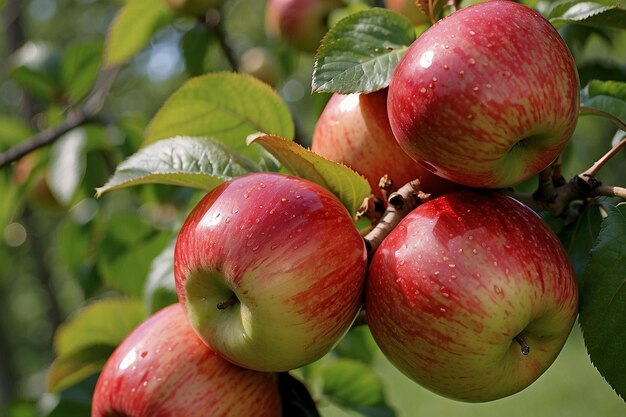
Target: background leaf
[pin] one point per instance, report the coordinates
(606, 98)
(347, 185)
(67, 165)
(600, 13)
(226, 107)
(84, 343)
(161, 287)
(185, 161)
(133, 27)
(79, 68)
(603, 307)
(360, 53)
(353, 385)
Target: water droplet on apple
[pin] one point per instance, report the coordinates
(445, 294)
(443, 310)
(506, 74)
(470, 116)
(402, 262)
(284, 200)
(471, 32)
(472, 61)
(246, 195)
(422, 90)
(434, 79)
(446, 67)
(446, 46)
(298, 197)
(256, 248)
(476, 88)
(497, 290)
(227, 220)
(272, 210)
(452, 265)
(462, 72)
(474, 251)
(488, 85)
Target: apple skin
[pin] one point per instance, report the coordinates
(409, 9)
(163, 369)
(288, 250)
(195, 8)
(300, 23)
(487, 96)
(453, 285)
(354, 130)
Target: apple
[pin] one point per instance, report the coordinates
(163, 369)
(354, 130)
(301, 23)
(409, 9)
(471, 296)
(487, 97)
(195, 8)
(271, 270)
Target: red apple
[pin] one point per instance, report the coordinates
(271, 270)
(354, 130)
(487, 97)
(471, 295)
(409, 9)
(163, 369)
(301, 23)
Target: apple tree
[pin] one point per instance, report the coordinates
(238, 182)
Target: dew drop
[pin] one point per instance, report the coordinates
(445, 294)
(474, 251)
(476, 88)
(452, 265)
(256, 248)
(471, 32)
(434, 79)
(284, 200)
(145, 383)
(497, 290)
(461, 72)
(443, 310)
(227, 220)
(422, 90)
(472, 61)
(488, 85)
(470, 116)
(446, 46)
(446, 67)
(298, 197)
(246, 195)
(402, 262)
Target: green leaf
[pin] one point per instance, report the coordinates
(360, 53)
(160, 288)
(35, 67)
(84, 343)
(605, 98)
(195, 44)
(296, 400)
(68, 370)
(347, 185)
(353, 385)
(185, 161)
(603, 301)
(12, 131)
(68, 163)
(358, 344)
(127, 251)
(226, 107)
(578, 238)
(79, 68)
(600, 13)
(133, 27)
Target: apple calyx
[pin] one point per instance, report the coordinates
(223, 305)
(523, 345)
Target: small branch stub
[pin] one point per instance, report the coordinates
(524, 346)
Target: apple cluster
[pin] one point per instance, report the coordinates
(471, 295)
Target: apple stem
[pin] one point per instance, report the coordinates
(400, 203)
(523, 345)
(223, 305)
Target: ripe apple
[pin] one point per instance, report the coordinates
(487, 97)
(301, 23)
(471, 295)
(163, 369)
(195, 8)
(409, 9)
(354, 129)
(271, 270)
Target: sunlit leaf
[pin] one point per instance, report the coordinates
(600, 13)
(185, 161)
(226, 107)
(347, 185)
(133, 27)
(605, 98)
(360, 53)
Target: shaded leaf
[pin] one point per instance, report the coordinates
(79, 68)
(605, 98)
(296, 400)
(84, 343)
(226, 107)
(353, 385)
(349, 187)
(185, 161)
(358, 344)
(160, 288)
(133, 27)
(195, 44)
(578, 239)
(360, 53)
(603, 300)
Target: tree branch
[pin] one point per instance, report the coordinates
(399, 204)
(92, 107)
